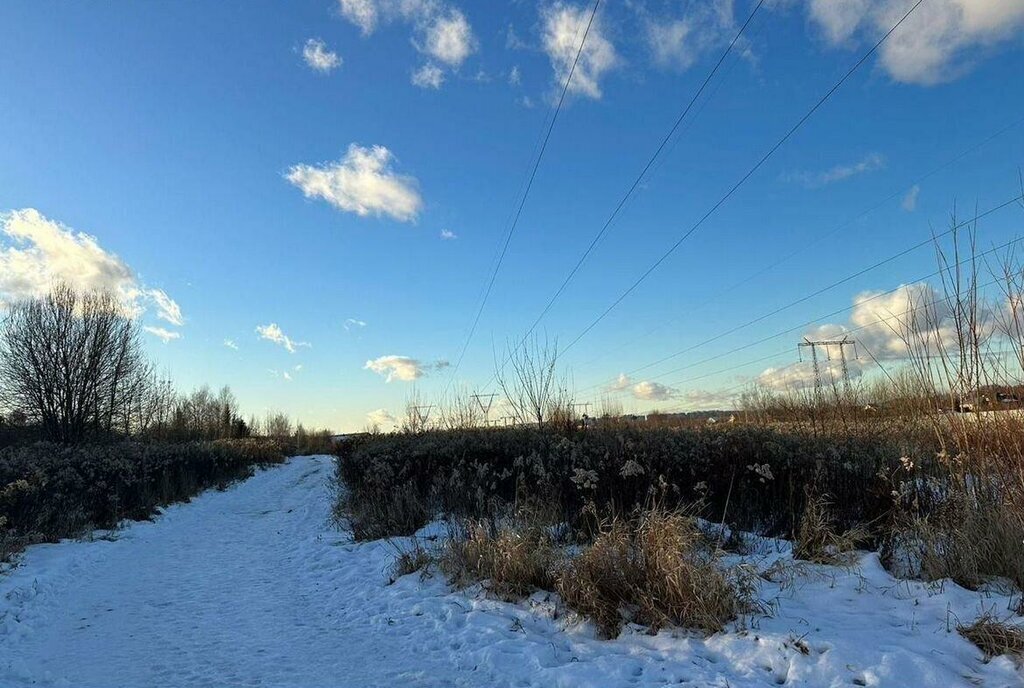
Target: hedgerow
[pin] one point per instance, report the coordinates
(50, 491)
(755, 478)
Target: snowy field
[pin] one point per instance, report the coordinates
(253, 587)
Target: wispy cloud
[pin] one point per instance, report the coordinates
(440, 31)
(163, 334)
(354, 324)
(428, 76)
(273, 333)
(166, 307)
(678, 42)
(561, 34)
(362, 182)
(909, 202)
(838, 173)
(230, 343)
(448, 235)
(937, 43)
(621, 384)
(318, 57)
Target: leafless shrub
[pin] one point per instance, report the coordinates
(531, 384)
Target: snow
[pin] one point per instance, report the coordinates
(253, 586)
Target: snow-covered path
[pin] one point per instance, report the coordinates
(253, 587)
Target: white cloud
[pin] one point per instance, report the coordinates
(838, 19)
(880, 322)
(678, 43)
(36, 252)
(448, 235)
(362, 183)
(318, 57)
(909, 202)
(166, 308)
(449, 38)
(230, 343)
(362, 13)
(869, 163)
(621, 384)
(514, 76)
(707, 400)
(381, 418)
(162, 333)
(428, 76)
(352, 323)
(273, 333)
(563, 28)
(652, 391)
(937, 43)
(396, 368)
(440, 31)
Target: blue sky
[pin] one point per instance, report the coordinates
(295, 164)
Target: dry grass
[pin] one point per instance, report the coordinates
(967, 539)
(653, 570)
(373, 515)
(410, 559)
(513, 561)
(817, 538)
(994, 637)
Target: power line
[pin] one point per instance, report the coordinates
(839, 311)
(636, 182)
(832, 285)
(639, 178)
(818, 238)
(771, 151)
(526, 192)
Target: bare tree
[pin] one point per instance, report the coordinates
(71, 362)
(530, 383)
(277, 425)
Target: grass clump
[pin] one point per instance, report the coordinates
(652, 569)
(410, 559)
(379, 514)
(513, 562)
(819, 540)
(969, 538)
(994, 637)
